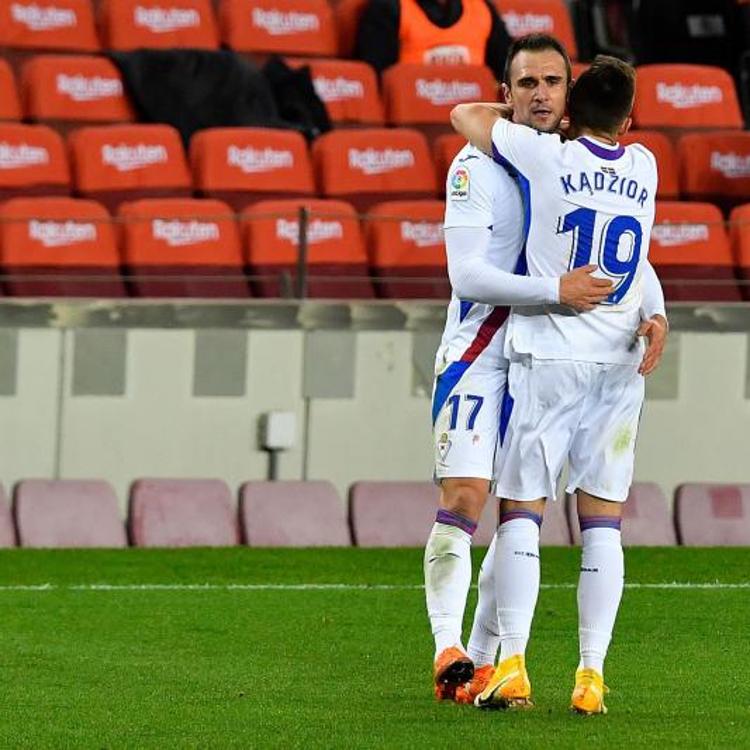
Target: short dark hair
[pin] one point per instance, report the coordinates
(602, 97)
(535, 43)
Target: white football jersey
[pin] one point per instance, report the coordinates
(479, 193)
(584, 202)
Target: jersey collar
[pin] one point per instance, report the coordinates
(602, 151)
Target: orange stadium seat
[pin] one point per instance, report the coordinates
(176, 247)
(114, 163)
(239, 165)
(59, 25)
(445, 149)
(10, 103)
(666, 159)
(336, 258)
(372, 165)
(406, 249)
(684, 97)
(348, 88)
(292, 27)
(715, 167)
(523, 17)
(52, 247)
(739, 228)
(691, 254)
(158, 24)
(423, 95)
(74, 89)
(347, 13)
(32, 161)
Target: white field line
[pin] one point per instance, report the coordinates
(678, 585)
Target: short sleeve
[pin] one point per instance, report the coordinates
(521, 148)
(469, 190)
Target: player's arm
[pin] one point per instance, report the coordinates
(475, 122)
(475, 279)
(655, 326)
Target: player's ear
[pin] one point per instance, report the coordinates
(507, 97)
(625, 126)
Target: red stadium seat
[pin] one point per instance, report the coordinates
(292, 514)
(239, 165)
(115, 163)
(289, 27)
(158, 24)
(713, 515)
(10, 104)
(401, 514)
(445, 149)
(52, 247)
(739, 227)
(32, 161)
(371, 165)
(715, 167)
(67, 513)
(685, 96)
(407, 250)
(182, 248)
(182, 513)
(74, 89)
(646, 518)
(62, 25)
(7, 527)
(347, 14)
(691, 253)
(523, 17)
(348, 88)
(336, 259)
(666, 159)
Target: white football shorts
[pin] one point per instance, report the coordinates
(466, 418)
(557, 410)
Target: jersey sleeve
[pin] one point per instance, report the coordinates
(470, 190)
(521, 148)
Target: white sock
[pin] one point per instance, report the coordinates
(484, 640)
(599, 593)
(447, 577)
(516, 583)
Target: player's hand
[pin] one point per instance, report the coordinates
(582, 291)
(655, 331)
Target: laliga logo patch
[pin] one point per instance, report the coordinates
(459, 184)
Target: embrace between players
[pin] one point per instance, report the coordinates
(556, 317)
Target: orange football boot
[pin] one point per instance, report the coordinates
(588, 694)
(452, 669)
(467, 692)
(509, 686)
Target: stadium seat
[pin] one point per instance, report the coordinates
(63, 25)
(713, 515)
(32, 161)
(286, 27)
(684, 97)
(691, 254)
(666, 159)
(336, 258)
(7, 527)
(715, 167)
(371, 165)
(158, 24)
(739, 228)
(67, 89)
(182, 513)
(114, 163)
(67, 513)
(182, 247)
(555, 531)
(406, 249)
(401, 514)
(241, 165)
(292, 514)
(58, 247)
(423, 95)
(348, 88)
(444, 150)
(523, 17)
(347, 14)
(646, 518)
(10, 104)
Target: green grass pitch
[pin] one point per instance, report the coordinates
(171, 656)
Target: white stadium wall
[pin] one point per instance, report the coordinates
(153, 392)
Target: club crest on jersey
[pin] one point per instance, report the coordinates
(443, 446)
(459, 183)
